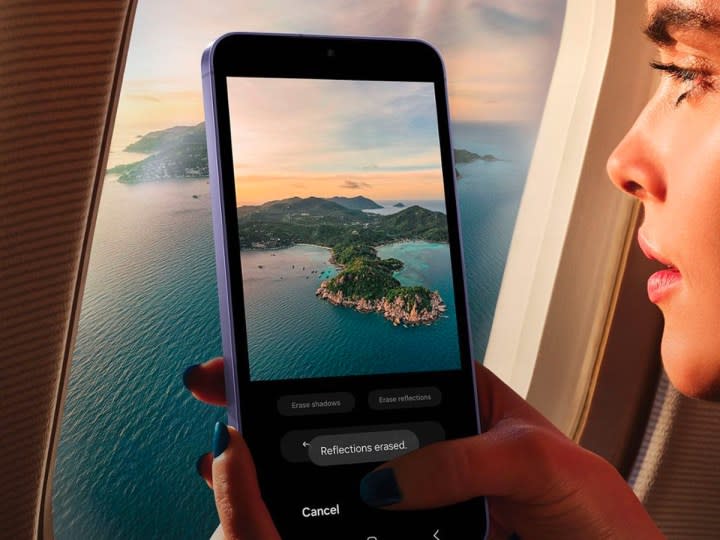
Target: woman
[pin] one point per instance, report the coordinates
(539, 483)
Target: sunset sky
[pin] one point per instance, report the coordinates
(325, 138)
(499, 54)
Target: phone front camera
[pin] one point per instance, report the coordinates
(331, 53)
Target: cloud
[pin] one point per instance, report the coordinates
(508, 23)
(521, 19)
(143, 97)
(293, 126)
(483, 42)
(352, 184)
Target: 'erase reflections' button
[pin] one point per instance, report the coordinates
(367, 447)
(306, 404)
(404, 398)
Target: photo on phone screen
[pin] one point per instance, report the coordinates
(345, 324)
(342, 227)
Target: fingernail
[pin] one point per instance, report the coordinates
(380, 488)
(221, 438)
(186, 375)
(198, 464)
(514, 536)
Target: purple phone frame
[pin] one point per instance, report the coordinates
(221, 241)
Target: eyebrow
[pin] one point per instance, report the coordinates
(673, 18)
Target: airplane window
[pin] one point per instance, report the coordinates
(130, 432)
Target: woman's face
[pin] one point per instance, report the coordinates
(670, 160)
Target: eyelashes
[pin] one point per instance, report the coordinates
(700, 79)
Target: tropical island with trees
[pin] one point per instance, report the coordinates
(365, 282)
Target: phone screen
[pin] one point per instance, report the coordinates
(345, 280)
(343, 228)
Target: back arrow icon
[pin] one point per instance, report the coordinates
(435, 535)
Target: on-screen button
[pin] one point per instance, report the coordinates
(307, 404)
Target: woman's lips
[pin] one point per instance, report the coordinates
(661, 283)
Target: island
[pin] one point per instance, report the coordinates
(398, 205)
(466, 156)
(364, 282)
(179, 152)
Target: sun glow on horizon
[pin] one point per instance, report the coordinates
(378, 186)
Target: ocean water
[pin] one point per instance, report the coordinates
(131, 432)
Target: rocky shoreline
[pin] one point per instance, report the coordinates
(395, 311)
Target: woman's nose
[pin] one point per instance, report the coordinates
(635, 165)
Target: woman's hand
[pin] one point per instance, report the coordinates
(538, 482)
(229, 468)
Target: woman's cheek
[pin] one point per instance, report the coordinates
(689, 226)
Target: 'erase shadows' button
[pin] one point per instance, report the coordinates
(404, 398)
(307, 404)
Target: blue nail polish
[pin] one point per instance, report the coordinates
(221, 438)
(186, 374)
(198, 464)
(380, 488)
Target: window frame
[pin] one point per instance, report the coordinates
(571, 277)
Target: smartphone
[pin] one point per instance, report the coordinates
(340, 273)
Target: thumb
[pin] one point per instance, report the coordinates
(243, 514)
(512, 460)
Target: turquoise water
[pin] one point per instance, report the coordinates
(295, 335)
(130, 432)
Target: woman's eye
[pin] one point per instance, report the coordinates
(698, 80)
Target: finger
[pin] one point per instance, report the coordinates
(502, 462)
(207, 381)
(242, 512)
(204, 468)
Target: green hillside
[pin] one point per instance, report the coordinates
(356, 203)
(417, 223)
(314, 220)
(175, 153)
